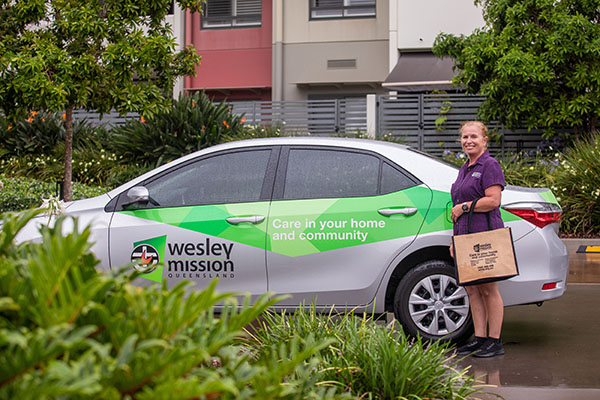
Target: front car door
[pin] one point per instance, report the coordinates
(338, 218)
(205, 219)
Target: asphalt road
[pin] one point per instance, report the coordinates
(551, 352)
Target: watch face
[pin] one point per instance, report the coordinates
(465, 207)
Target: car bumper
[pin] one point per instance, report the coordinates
(543, 259)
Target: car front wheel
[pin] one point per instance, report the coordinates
(429, 302)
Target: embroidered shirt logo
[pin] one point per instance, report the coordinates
(476, 175)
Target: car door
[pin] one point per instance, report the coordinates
(204, 220)
(337, 220)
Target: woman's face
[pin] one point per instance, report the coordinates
(472, 140)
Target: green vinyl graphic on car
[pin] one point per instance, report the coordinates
(548, 196)
(301, 227)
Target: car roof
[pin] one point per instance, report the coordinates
(308, 140)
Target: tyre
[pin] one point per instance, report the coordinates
(428, 302)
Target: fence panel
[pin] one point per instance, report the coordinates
(428, 122)
(108, 120)
(317, 117)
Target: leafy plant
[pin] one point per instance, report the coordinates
(535, 61)
(44, 133)
(61, 55)
(193, 123)
(69, 331)
(369, 359)
(18, 193)
(576, 184)
(254, 132)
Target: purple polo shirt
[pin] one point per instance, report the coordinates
(470, 185)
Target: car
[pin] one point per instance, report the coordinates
(353, 224)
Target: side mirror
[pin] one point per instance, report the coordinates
(138, 194)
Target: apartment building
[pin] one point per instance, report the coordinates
(414, 25)
(322, 49)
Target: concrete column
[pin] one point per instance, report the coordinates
(277, 63)
(393, 35)
(371, 116)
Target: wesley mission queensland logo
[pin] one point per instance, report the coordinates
(206, 259)
(145, 258)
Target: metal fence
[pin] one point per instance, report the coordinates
(317, 117)
(108, 119)
(428, 122)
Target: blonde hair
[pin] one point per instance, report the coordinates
(482, 128)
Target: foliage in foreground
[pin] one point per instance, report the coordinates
(70, 332)
(369, 359)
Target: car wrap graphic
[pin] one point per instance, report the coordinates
(548, 196)
(317, 225)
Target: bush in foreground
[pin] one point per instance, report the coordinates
(369, 359)
(70, 332)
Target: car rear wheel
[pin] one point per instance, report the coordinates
(429, 302)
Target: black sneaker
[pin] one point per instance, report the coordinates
(471, 347)
(490, 348)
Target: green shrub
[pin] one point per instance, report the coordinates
(20, 193)
(35, 148)
(193, 123)
(527, 171)
(576, 185)
(44, 133)
(70, 332)
(369, 359)
(120, 174)
(90, 167)
(254, 132)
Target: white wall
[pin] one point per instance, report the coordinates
(177, 22)
(420, 21)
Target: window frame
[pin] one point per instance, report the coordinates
(265, 193)
(230, 18)
(312, 8)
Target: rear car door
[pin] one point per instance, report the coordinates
(338, 218)
(205, 219)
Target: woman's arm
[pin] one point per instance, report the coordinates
(493, 196)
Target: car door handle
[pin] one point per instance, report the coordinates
(255, 219)
(392, 211)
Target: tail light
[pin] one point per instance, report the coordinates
(539, 214)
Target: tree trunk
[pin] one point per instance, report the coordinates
(68, 153)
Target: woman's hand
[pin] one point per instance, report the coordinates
(456, 212)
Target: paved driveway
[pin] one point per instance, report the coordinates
(552, 352)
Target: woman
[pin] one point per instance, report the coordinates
(481, 178)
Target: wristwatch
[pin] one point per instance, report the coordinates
(465, 207)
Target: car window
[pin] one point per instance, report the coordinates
(226, 178)
(393, 180)
(315, 173)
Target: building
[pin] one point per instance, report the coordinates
(286, 50)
